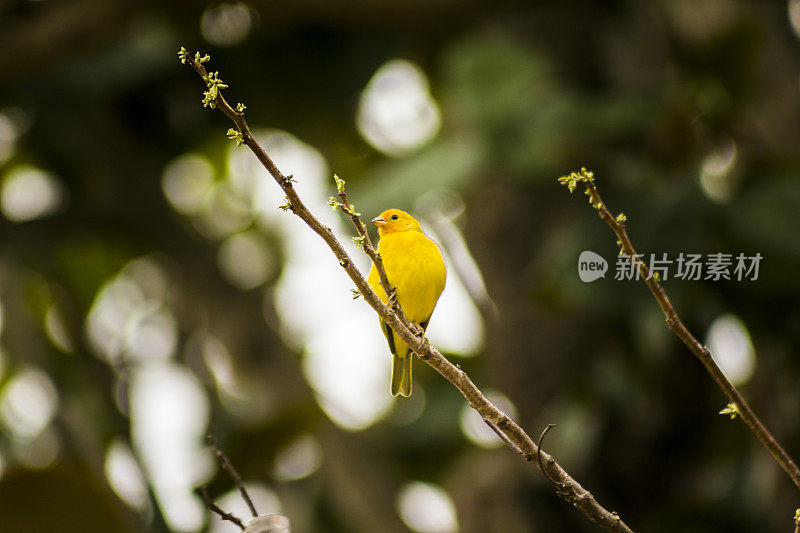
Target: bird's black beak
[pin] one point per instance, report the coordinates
(378, 221)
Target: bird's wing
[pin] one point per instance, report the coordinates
(387, 331)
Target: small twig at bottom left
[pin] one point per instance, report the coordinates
(229, 468)
(202, 491)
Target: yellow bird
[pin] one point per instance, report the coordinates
(415, 268)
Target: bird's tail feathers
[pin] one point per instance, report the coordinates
(401, 374)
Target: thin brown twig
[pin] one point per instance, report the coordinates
(539, 452)
(227, 466)
(203, 493)
(571, 491)
(504, 438)
(363, 235)
(675, 324)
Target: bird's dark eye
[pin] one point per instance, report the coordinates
(394, 217)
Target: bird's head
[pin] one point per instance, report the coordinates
(394, 220)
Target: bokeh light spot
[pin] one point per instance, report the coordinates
(28, 193)
(56, 330)
(129, 315)
(113, 311)
(224, 213)
(300, 458)
(794, 16)
(169, 413)
(218, 360)
(154, 335)
(28, 403)
(426, 508)
(125, 476)
(716, 172)
(456, 326)
(729, 342)
(226, 24)
(149, 276)
(186, 181)
(397, 114)
(245, 260)
(8, 138)
(39, 452)
(311, 296)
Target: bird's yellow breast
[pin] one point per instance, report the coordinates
(415, 267)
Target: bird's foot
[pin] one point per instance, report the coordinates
(392, 301)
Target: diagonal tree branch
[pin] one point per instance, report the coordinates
(568, 488)
(738, 405)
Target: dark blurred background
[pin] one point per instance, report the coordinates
(151, 291)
